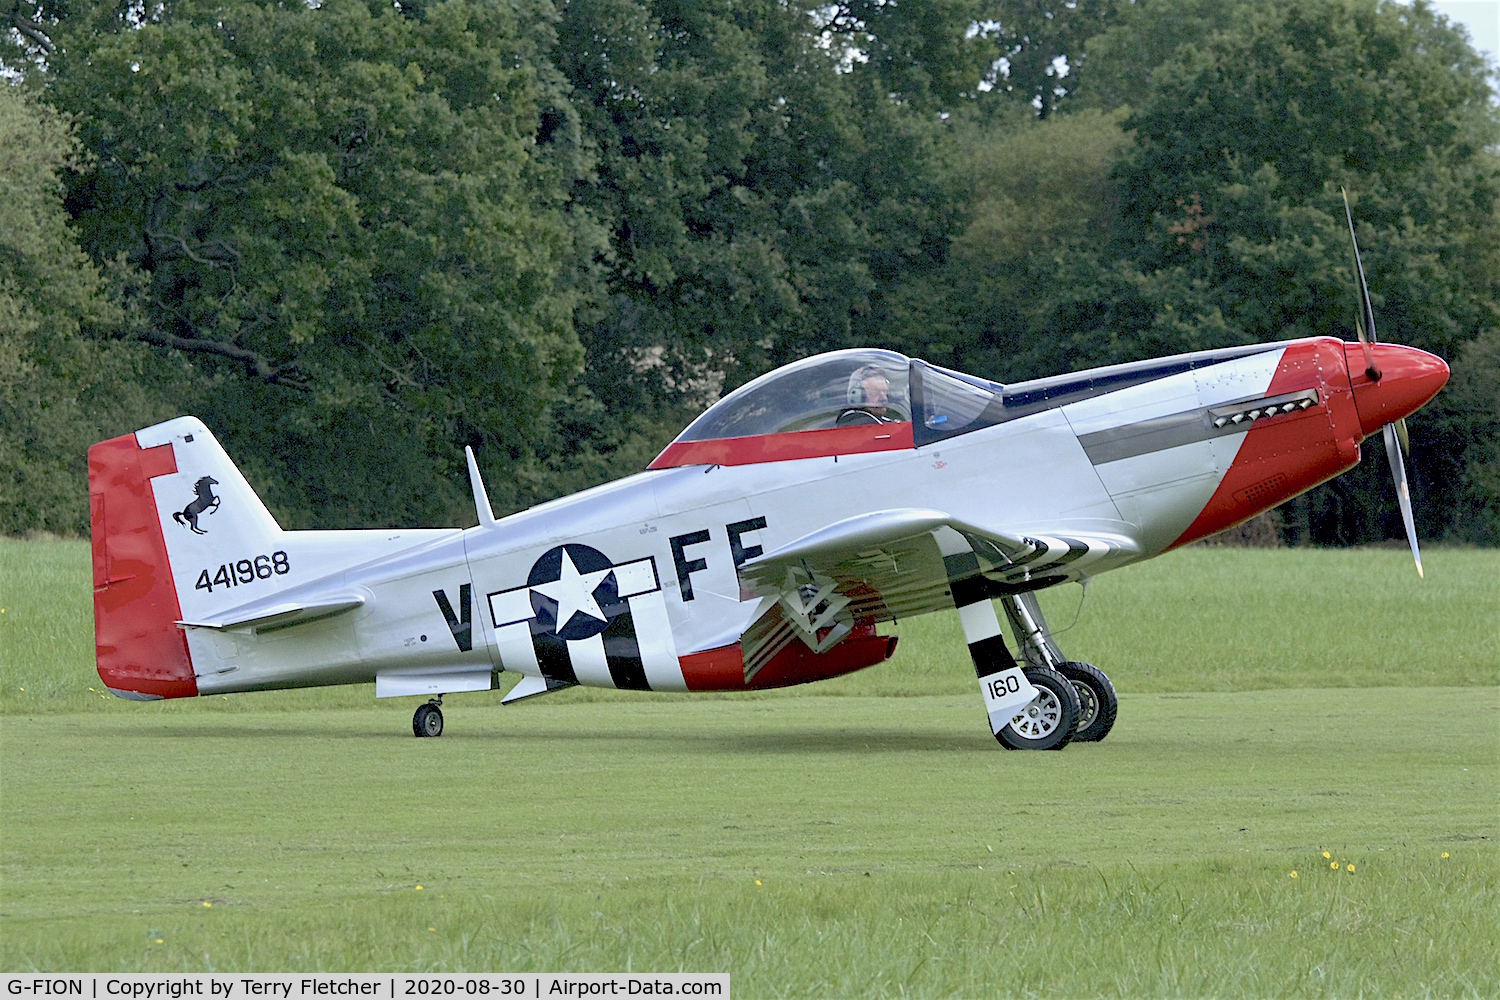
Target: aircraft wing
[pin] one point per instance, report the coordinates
(898, 563)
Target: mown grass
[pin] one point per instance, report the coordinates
(1199, 619)
(632, 835)
(825, 841)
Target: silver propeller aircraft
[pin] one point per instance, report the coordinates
(761, 548)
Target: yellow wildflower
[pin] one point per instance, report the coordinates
(1334, 865)
(1294, 874)
(1351, 868)
(1326, 855)
(1445, 854)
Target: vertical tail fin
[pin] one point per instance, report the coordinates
(170, 518)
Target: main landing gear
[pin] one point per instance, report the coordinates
(1060, 700)
(428, 720)
(1097, 703)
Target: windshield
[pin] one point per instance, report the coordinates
(950, 404)
(842, 389)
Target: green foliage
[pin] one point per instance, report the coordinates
(760, 199)
(1033, 35)
(359, 236)
(1139, 36)
(61, 389)
(1470, 428)
(1210, 214)
(346, 217)
(1004, 305)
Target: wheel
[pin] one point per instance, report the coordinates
(1098, 705)
(428, 721)
(1047, 723)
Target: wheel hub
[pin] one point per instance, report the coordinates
(1088, 705)
(1040, 718)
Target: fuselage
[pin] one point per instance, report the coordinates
(1156, 454)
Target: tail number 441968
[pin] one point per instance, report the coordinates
(234, 574)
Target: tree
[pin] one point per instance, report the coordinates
(1215, 218)
(353, 221)
(768, 171)
(1044, 45)
(1231, 202)
(63, 382)
(1137, 37)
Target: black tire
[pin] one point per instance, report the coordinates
(428, 721)
(1098, 705)
(1048, 723)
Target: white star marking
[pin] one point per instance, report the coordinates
(574, 592)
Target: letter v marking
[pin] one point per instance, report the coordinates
(462, 628)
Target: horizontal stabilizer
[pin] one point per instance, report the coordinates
(280, 614)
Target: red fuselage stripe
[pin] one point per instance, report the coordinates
(786, 447)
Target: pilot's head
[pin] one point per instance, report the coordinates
(869, 389)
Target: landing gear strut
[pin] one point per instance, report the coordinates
(1097, 703)
(428, 720)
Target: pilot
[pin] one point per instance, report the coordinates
(868, 398)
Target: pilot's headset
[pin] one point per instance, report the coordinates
(856, 393)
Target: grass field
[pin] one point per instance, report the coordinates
(835, 840)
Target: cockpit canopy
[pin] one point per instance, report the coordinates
(840, 403)
(812, 394)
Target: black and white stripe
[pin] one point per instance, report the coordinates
(1002, 683)
(630, 648)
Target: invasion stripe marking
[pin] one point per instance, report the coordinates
(622, 653)
(590, 665)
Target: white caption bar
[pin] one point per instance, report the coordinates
(288, 986)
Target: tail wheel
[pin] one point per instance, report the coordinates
(428, 721)
(1097, 701)
(1049, 722)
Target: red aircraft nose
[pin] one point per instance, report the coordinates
(1408, 378)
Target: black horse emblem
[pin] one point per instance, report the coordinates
(206, 501)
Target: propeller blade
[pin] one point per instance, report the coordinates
(1403, 436)
(1403, 491)
(1368, 312)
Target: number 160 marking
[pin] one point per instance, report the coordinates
(1002, 686)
